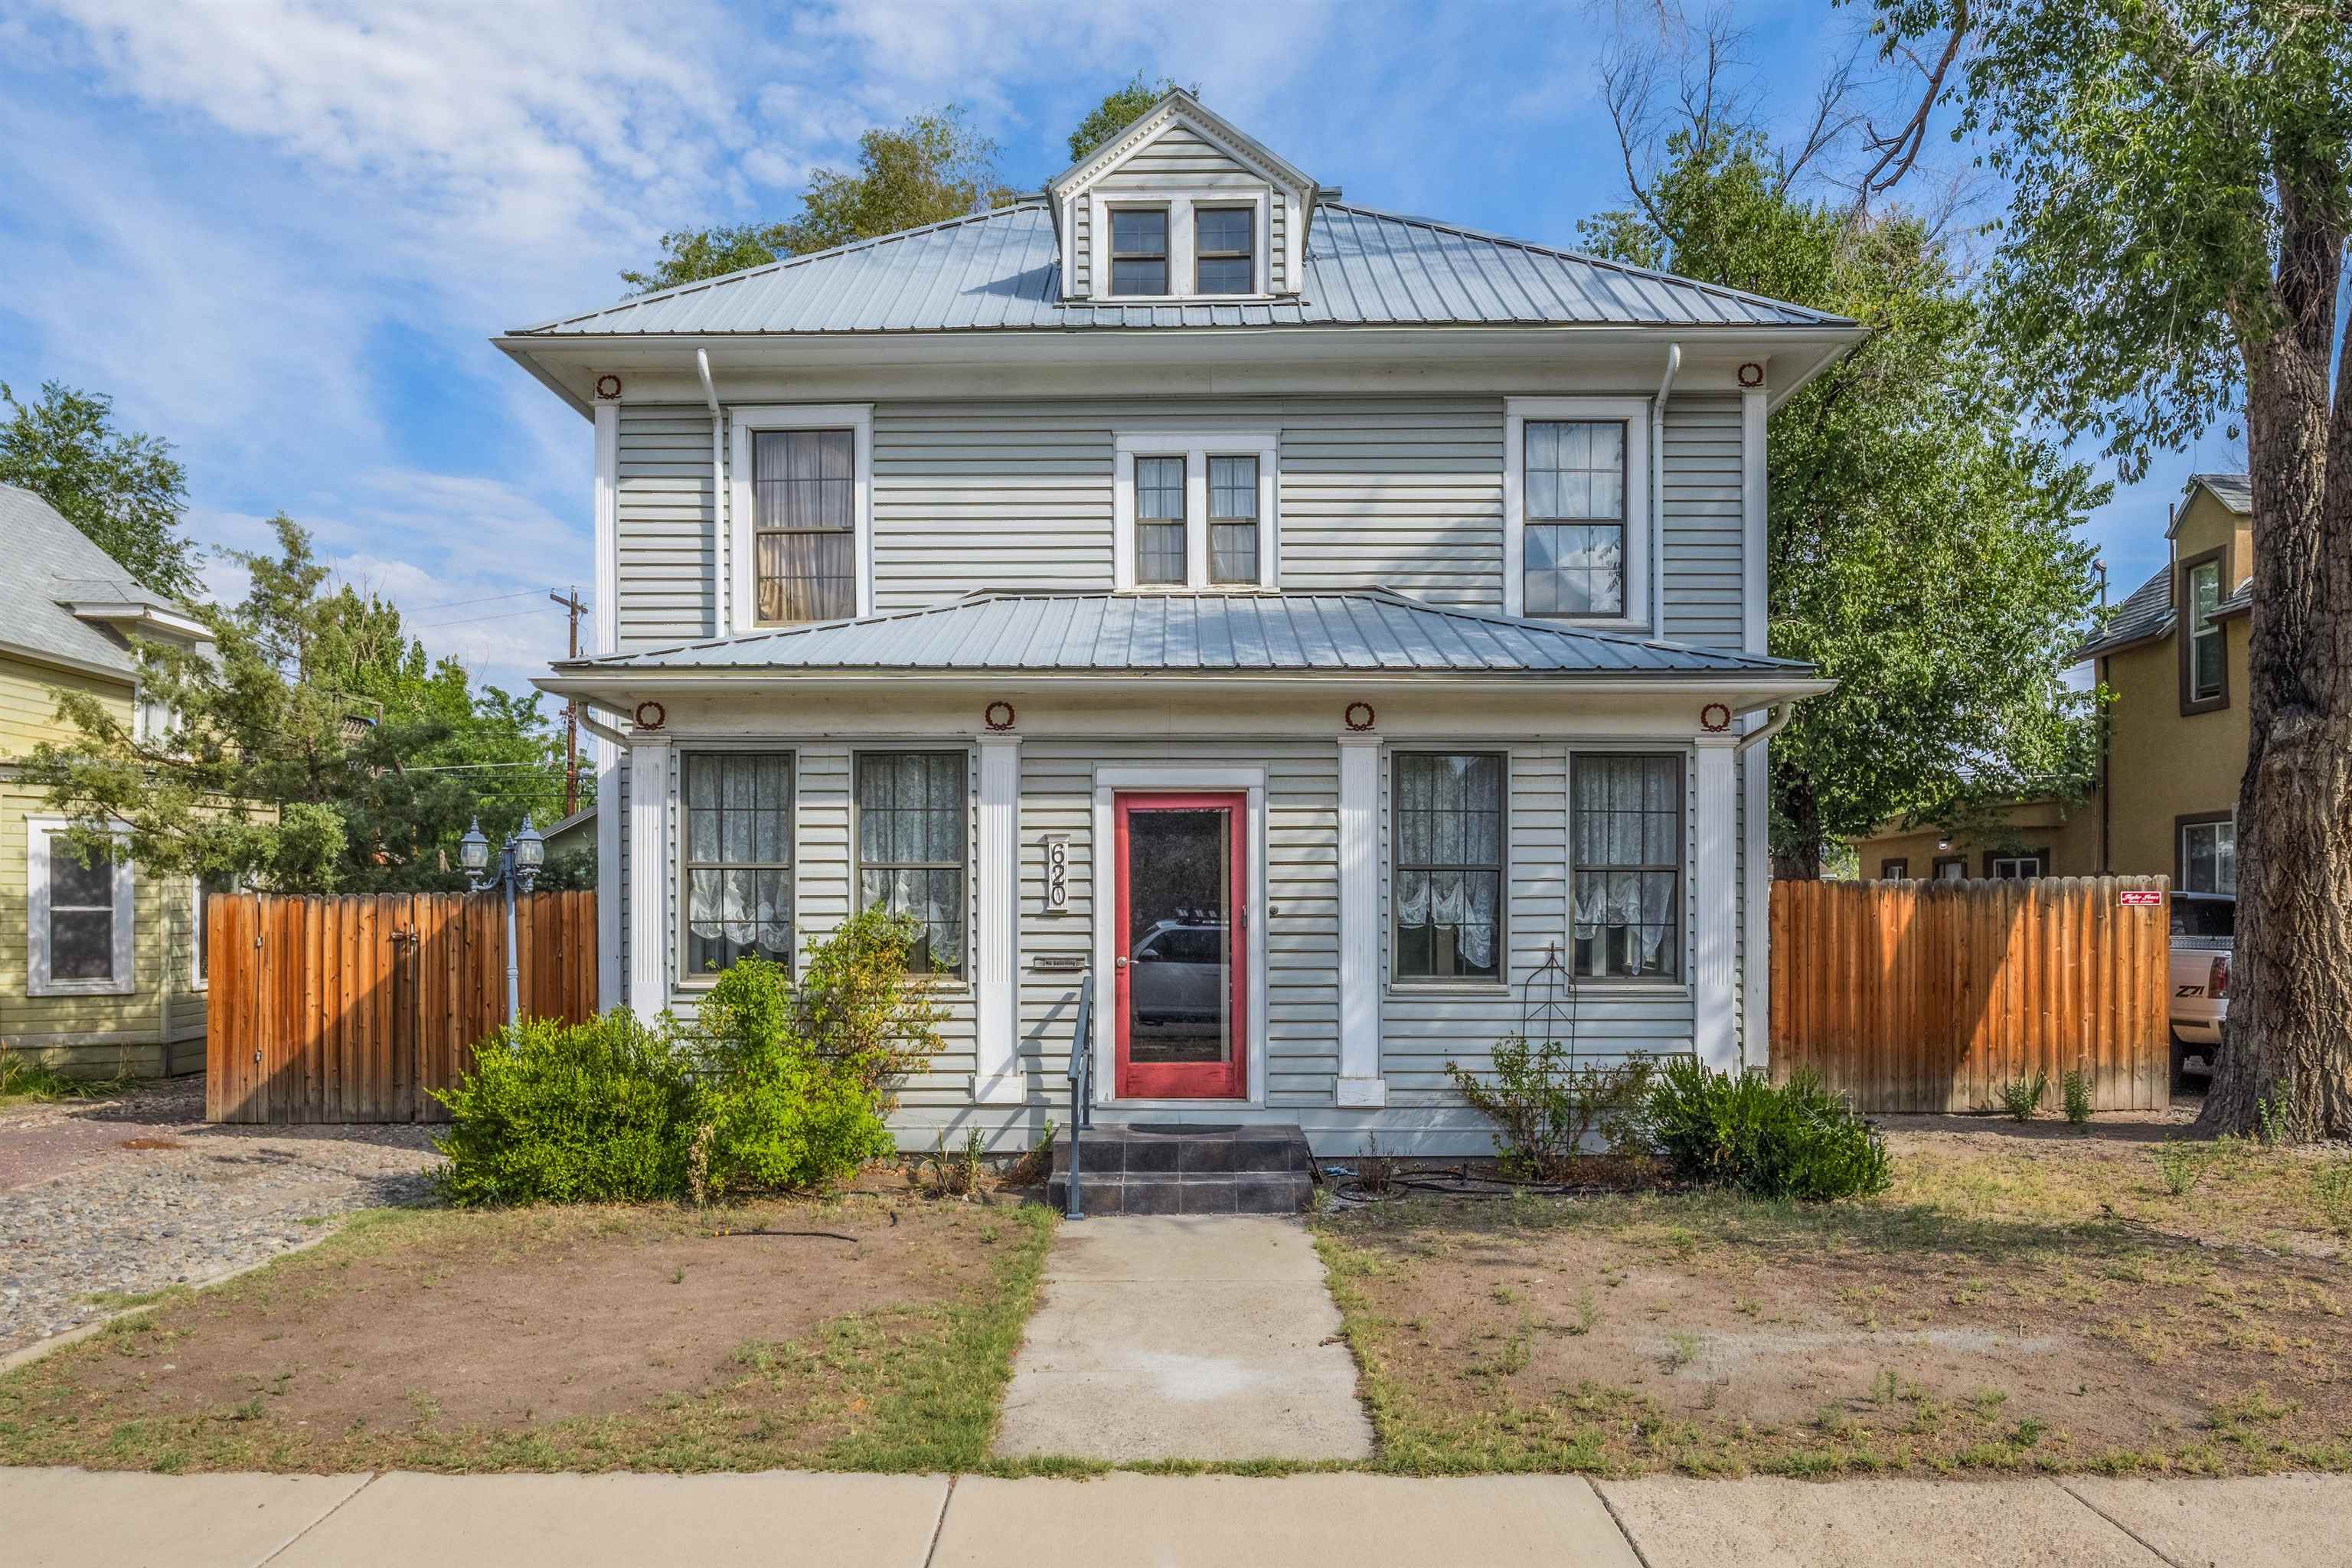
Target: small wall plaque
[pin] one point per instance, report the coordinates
(1068, 962)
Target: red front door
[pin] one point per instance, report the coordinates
(1182, 932)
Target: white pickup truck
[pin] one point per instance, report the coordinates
(2204, 930)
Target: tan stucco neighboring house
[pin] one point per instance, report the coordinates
(2173, 657)
(102, 967)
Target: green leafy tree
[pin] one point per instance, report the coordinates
(2180, 204)
(1123, 107)
(932, 168)
(1922, 546)
(313, 746)
(124, 489)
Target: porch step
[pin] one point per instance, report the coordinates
(1171, 1166)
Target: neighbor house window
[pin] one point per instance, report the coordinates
(1233, 520)
(1224, 257)
(77, 928)
(2208, 856)
(1448, 893)
(1138, 251)
(1159, 520)
(910, 848)
(804, 526)
(1951, 869)
(2204, 675)
(2018, 868)
(1626, 842)
(1575, 517)
(1893, 871)
(738, 858)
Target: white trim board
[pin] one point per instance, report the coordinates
(1109, 781)
(1636, 413)
(1196, 447)
(124, 980)
(742, 599)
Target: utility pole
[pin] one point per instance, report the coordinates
(571, 601)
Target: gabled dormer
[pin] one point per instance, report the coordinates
(1180, 205)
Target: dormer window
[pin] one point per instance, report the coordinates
(1138, 251)
(1224, 251)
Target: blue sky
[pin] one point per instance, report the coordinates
(280, 233)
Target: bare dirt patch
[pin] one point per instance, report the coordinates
(2014, 1304)
(649, 1337)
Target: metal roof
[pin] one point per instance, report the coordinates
(1349, 631)
(1001, 270)
(52, 564)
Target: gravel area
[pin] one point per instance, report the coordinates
(130, 1196)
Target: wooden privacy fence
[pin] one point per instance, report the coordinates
(349, 1009)
(1930, 995)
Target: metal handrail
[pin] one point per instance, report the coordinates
(1082, 1058)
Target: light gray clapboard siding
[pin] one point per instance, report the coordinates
(1082, 247)
(1424, 1027)
(1302, 890)
(1180, 159)
(667, 571)
(1404, 492)
(1703, 523)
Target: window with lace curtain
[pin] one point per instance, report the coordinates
(1626, 841)
(910, 848)
(1447, 874)
(738, 858)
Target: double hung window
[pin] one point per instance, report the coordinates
(1449, 860)
(1626, 840)
(912, 815)
(738, 858)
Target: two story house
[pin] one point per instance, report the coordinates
(1326, 629)
(2172, 656)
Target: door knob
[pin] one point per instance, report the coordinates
(1122, 960)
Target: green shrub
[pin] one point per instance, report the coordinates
(2022, 1097)
(2180, 1166)
(555, 1112)
(773, 1087)
(2077, 1089)
(1794, 1140)
(1545, 1105)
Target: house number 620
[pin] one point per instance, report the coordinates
(1057, 875)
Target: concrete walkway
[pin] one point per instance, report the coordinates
(1167, 1337)
(68, 1519)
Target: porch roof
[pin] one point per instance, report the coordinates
(1340, 632)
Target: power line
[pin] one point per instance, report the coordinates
(485, 599)
(471, 620)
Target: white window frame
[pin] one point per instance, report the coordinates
(1196, 447)
(123, 980)
(858, 418)
(1635, 412)
(1183, 274)
(2216, 827)
(676, 898)
(1993, 866)
(960, 981)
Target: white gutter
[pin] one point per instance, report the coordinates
(597, 727)
(718, 593)
(1658, 491)
(1782, 713)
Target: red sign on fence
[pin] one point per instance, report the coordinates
(2139, 895)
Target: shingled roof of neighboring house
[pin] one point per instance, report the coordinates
(53, 565)
(2235, 491)
(1001, 269)
(2146, 615)
(1347, 632)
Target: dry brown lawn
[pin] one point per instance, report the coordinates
(2025, 1299)
(873, 1332)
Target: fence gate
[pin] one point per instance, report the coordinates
(1927, 996)
(353, 1008)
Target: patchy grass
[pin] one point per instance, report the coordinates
(28, 1081)
(874, 1333)
(2014, 1304)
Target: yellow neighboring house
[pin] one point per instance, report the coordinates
(2174, 656)
(101, 966)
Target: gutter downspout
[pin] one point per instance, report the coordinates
(720, 592)
(1782, 713)
(1658, 491)
(598, 728)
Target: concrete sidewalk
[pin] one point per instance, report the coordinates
(72, 1518)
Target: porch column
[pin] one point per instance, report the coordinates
(1360, 1086)
(648, 914)
(1715, 860)
(996, 943)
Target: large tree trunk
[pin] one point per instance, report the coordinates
(2286, 1055)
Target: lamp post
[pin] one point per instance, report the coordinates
(519, 862)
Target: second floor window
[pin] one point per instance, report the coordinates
(1225, 259)
(1159, 520)
(804, 525)
(2205, 640)
(1575, 501)
(1233, 520)
(1138, 251)
(2209, 857)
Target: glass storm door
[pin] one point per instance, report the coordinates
(1180, 932)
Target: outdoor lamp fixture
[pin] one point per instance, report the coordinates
(519, 862)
